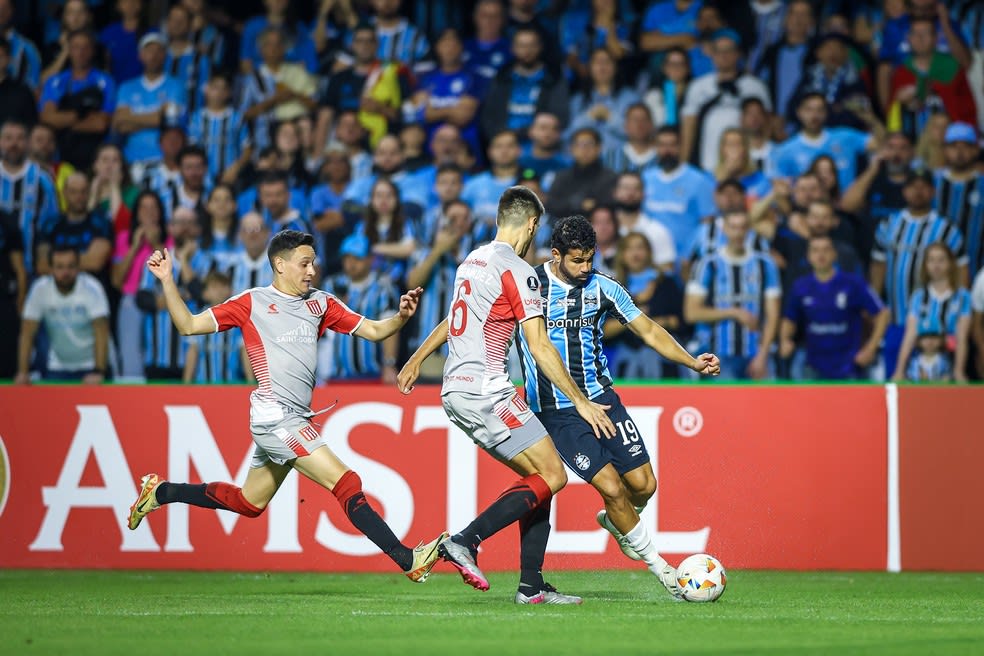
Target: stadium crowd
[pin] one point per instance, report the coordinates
(794, 185)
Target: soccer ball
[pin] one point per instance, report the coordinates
(701, 578)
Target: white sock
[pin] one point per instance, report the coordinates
(642, 543)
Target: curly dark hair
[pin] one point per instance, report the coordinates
(573, 233)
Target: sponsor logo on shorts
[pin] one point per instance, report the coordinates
(635, 449)
(582, 461)
(581, 322)
(303, 334)
(533, 283)
(4, 475)
(456, 377)
(314, 307)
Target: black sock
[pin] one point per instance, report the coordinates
(367, 520)
(534, 529)
(193, 495)
(512, 504)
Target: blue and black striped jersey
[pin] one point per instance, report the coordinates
(575, 318)
(962, 203)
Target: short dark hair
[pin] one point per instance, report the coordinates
(810, 95)
(287, 240)
(573, 233)
(516, 205)
(591, 132)
(668, 129)
(192, 151)
(63, 248)
(449, 167)
(734, 183)
(273, 177)
(86, 32)
(17, 122)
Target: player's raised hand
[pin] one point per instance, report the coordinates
(595, 415)
(407, 376)
(408, 302)
(707, 364)
(160, 264)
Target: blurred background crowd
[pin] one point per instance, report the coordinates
(795, 185)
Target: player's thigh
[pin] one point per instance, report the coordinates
(575, 442)
(263, 482)
(322, 466)
(626, 450)
(608, 483)
(541, 458)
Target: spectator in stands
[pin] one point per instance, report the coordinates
(433, 267)
(794, 156)
(523, 89)
(331, 32)
(901, 242)
(482, 191)
(120, 41)
(164, 174)
(148, 103)
(449, 93)
(639, 149)
(734, 297)
(756, 124)
(605, 225)
(204, 36)
(627, 199)
(275, 204)
(350, 133)
(75, 16)
(13, 288)
(75, 312)
(79, 103)
(191, 187)
(399, 40)
(729, 196)
(678, 195)
(931, 361)
(391, 237)
(783, 65)
(326, 206)
(771, 24)
(277, 90)
(388, 161)
(133, 246)
(660, 298)
(221, 131)
(709, 22)
(825, 168)
(489, 50)
(941, 306)
(583, 31)
(544, 152)
(877, 193)
(837, 78)
(448, 185)
(713, 101)
(25, 189)
(927, 81)
(602, 102)
(665, 97)
(587, 183)
(827, 306)
(792, 245)
(112, 192)
(218, 357)
(42, 149)
(18, 99)
(87, 231)
(220, 225)
(25, 61)
(929, 145)
(297, 44)
(526, 15)
(977, 303)
(290, 155)
(186, 62)
(345, 87)
(669, 24)
(735, 162)
(249, 267)
(960, 189)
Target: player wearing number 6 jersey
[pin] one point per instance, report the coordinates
(495, 291)
(577, 300)
(281, 325)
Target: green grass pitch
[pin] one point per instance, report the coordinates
(178, 613)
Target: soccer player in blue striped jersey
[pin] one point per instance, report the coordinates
(370, 294)
(734, 298)
(215, 357)
(900, 245)
(960, 190)
(577, 301)
(26, 190)
(220, 129)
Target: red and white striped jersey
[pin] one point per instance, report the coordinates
(495, 291)
(281, 334)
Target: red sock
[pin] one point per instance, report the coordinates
(230, 497)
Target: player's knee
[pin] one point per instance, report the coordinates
(555, 477)
(642, 492)
(609, 487)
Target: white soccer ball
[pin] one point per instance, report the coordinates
(701, 578)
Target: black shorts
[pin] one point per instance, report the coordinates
(586, 454)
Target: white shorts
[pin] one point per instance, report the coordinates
(503, 425)
(292, 437)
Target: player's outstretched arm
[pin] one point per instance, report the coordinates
(379, 329)
(160, 264)
(548, 360)
(411, 370)
(656, 338)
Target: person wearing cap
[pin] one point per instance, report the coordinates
(713, 101)
(901, 242)
(146, 103)
(960, 189)
(363, 290)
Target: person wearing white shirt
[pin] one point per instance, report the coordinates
(75, 312)
(628, 196)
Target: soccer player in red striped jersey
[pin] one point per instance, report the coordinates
(496, 291)
(281, 325)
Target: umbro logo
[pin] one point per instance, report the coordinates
(273, 309)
